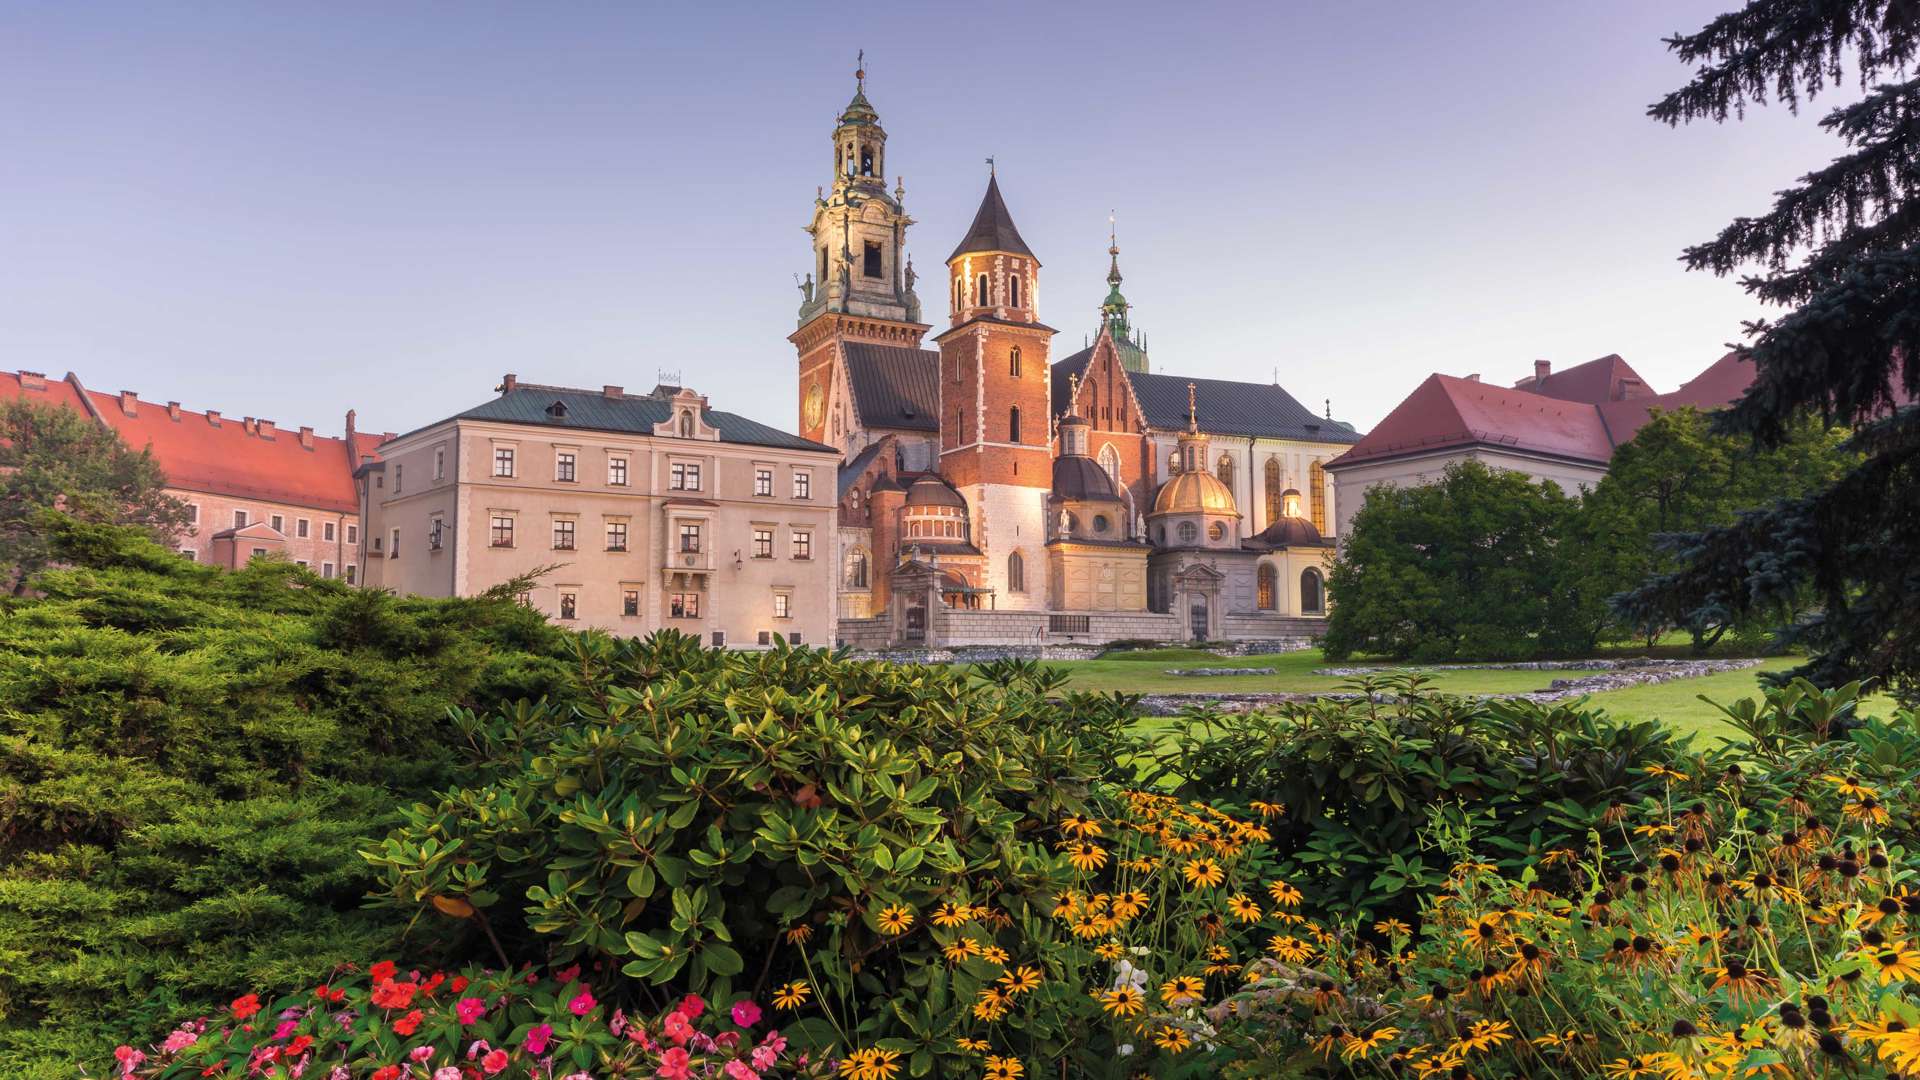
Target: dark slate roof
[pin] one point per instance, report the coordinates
(992, 228)
(1287, 532)
(592, 410)
(931, 490)
(850, 472)
(1263, 410)
(894, 387)
(1077, 477)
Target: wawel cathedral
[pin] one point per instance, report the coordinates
(993, 494)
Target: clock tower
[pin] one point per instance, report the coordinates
(859, 284)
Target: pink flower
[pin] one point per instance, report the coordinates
(692, 1005)
(567, 974)
(775, 1042)
(727, 1040)
(619, 1022)
(738, 1070)
(129, 1059)
(447, 1072)
(536, 1040)
(764, 1057)
(470, 1009)
(286, 1028)
(676, 1027)
(746, 1013)
(701, 1043)
(493, 1062)
(583, 1003)
(478, 1047)
(673, 1065)
(420, 1053)
(179, 1041)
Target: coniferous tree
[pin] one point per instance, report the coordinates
(1839, 249)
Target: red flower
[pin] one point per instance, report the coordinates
(409, 1023)
(394, 995)
(244, 1007)
(458, 984)
(299, 1045)
(382, 971)
(387, 1072)
(494, 1062)
(427, 988)
(323, 992)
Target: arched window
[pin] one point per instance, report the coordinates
(1013, 290)
(1016, 573)
(1013, 424)
(1224, 470)
(958, 297)
(1289, 503)
(686, 424)
(1110, 461)
(1189, 532)
(1317, 495)
(1312, 591)
(1273, 490)
(980, 291)
(1013, 362)
(866, 161)
(857, 569)
(1267, 596)
(1093, 403)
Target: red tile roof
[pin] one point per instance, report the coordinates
(33, 386)
(1594, 382)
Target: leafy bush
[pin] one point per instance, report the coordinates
(189, 759)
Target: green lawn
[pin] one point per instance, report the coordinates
(1675, 703)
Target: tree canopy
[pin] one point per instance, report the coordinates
(1837, 249)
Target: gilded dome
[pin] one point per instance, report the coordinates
(1194, 492)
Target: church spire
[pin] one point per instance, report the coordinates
(1113, 310)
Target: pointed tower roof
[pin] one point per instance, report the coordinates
(992, 228)
(859, 110)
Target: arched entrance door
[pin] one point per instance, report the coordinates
(1197, 614)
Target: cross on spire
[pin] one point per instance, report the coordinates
(990, 169)
(860, 73)
(1193, 412)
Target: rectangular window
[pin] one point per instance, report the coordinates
(782, 605)
(353, 534)
(765, 637)
(326, 570)
(399, 477)
(630, 603)
(302, 563)
(189, 554)
(353, 572)
(376, 545)
(802, 545)
(763, 482)
(690, 538)
(327, 532)
(684, 605)
(193, 513)
(503, 461)
(685, 476)
(719, 639)
(502, 531)
(802, 484)
(436, 529)
(870, 260)
(616, 536)
(239, 519)
(617, 471)
(569, 605)
(439, 463)
(563, 535)
(563, 468)
(279, 523)
(393, 543)
(259, 551)
(302, 527)
(793, 638)
(763, 543)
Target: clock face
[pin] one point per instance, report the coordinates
(815, 407)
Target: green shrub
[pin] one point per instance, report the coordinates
(189, 759)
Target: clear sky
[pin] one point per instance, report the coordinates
(289, 210)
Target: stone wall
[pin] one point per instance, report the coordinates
(1261, 634)
(865, 634)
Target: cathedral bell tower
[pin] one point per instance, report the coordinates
(994, 400)
(859, 283)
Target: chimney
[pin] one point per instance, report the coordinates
(264, 428)
(213, 417)
(1475, 377)
(33, 380)
(130, 403)
(351, 414)
(1541, 369)
(306, 437)
(612, 391)
(1629, 387)
(509, 383)
(173, 411)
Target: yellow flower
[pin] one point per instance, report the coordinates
(951, 915)
(992, 1004)
(1284, 894)
(798, 935)
(1203, 873)
(1359, 1046)
(994, 954)
(959, 949)
(1267, 809)
(1066, 904)
(1289, 949)
(1110, 951)
(1483, 932)
(791, 996)
(896, 919)
(1392, 928)
(1124, 1001)
(1085, 856)
(1088, 925)
(1867, 809)
(1669, 775)
(871, 1064)
(1182, 989)
(1483, 1035)
(1240, 907)
(973, 1046)
(1172, 1039)
(1849, 788)
(1022, 979)
(1896, 960)
(1128, 904)
(1628, 1069)
(1082, 827)
(1004, 1068)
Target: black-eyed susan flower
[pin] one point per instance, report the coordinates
(994, 954)
(1392, 928)
(992, 1003)
(949, 915)
(1110, 951)
(1357, 1047)
(1182, 990)
(1482, 1036)
(895, 919)
(1021, 979)
(1123, 1001)
(1081, 827)
(1741, 982)
(798, 935)
(1267, 809)
(1244, 909)
(1004, 1068)
(791, 996)
(973, 1046)
(1284, 894)
(1203, 873)
(1896, 960)
(1128, 904)
(1172, 1039)
(1085, 856)
(960, 950)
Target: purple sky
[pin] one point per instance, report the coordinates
(289, 210)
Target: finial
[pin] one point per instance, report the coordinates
(1073, 389)
(1113, 244)
(990, 167)
(1193, 412)
(860, 73)
(1329, 408)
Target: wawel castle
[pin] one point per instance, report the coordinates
(956, 484)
